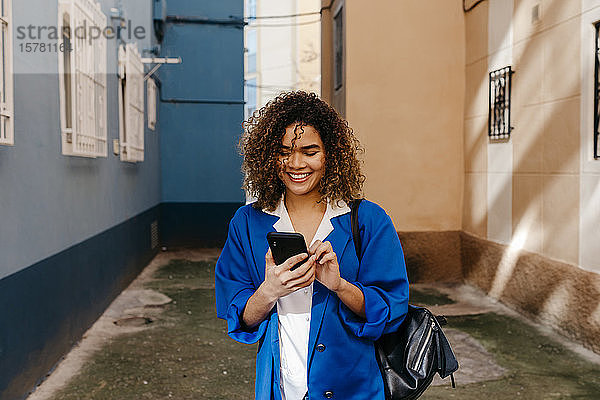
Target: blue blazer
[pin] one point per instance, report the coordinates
(344, 362)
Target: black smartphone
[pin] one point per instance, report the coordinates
(285, 245)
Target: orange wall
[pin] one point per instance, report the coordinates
(404, 97)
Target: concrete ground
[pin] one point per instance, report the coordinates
(160, 339)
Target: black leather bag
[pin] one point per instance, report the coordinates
(410, 357)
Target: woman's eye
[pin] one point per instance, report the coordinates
(311, 154)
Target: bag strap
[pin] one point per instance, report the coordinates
(445, 353)
(355, 229)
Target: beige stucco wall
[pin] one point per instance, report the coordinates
(543, 177)
(475, 127)
(416, 91)
(546, 137)
(404, 96)
(537, 267)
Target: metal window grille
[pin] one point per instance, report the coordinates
(597, 94)
(131, 99)
(499, 107)
(6, 74)
(338, 48)
(151, 94)
(83, 80)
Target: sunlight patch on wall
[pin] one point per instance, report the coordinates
(556, 305)
(511, 256)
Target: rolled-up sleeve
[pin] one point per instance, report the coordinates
(381, 277)
(234, 285)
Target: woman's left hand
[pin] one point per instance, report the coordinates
(327, 267)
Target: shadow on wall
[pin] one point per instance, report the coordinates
(553, 292)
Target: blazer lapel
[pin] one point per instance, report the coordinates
(259, 226)
(339, 237)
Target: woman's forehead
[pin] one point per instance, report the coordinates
(304, 134)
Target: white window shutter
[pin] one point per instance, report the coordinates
(100, 86)
(6, 75)
(122, 61)
(132, 106)
(87, 136)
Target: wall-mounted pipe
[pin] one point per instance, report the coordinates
(178, 19)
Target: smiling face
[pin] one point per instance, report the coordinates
(303, 160)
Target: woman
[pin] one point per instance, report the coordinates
(315, 325)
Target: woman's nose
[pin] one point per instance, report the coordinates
(295, 160)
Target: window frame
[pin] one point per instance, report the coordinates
(499, 103)
(338, 44)
(84, 112)
(596, 135)
(588, 164)
(6, 75)
(131, 104)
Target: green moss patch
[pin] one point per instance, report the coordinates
(428, 297)
(184, 273)
(185, 354)
(539, 367)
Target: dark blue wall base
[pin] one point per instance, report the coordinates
(195, 224)
(46, 308)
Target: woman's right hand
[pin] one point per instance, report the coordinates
(281, 281)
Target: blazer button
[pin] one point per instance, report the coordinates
(320, 349)
(328, 394)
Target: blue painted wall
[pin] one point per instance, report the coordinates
(48, 201)
(75, 231)
(200, 162)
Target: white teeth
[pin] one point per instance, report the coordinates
(298, 176)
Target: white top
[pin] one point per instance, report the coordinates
(294, 311)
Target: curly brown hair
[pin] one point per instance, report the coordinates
(261, 142)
